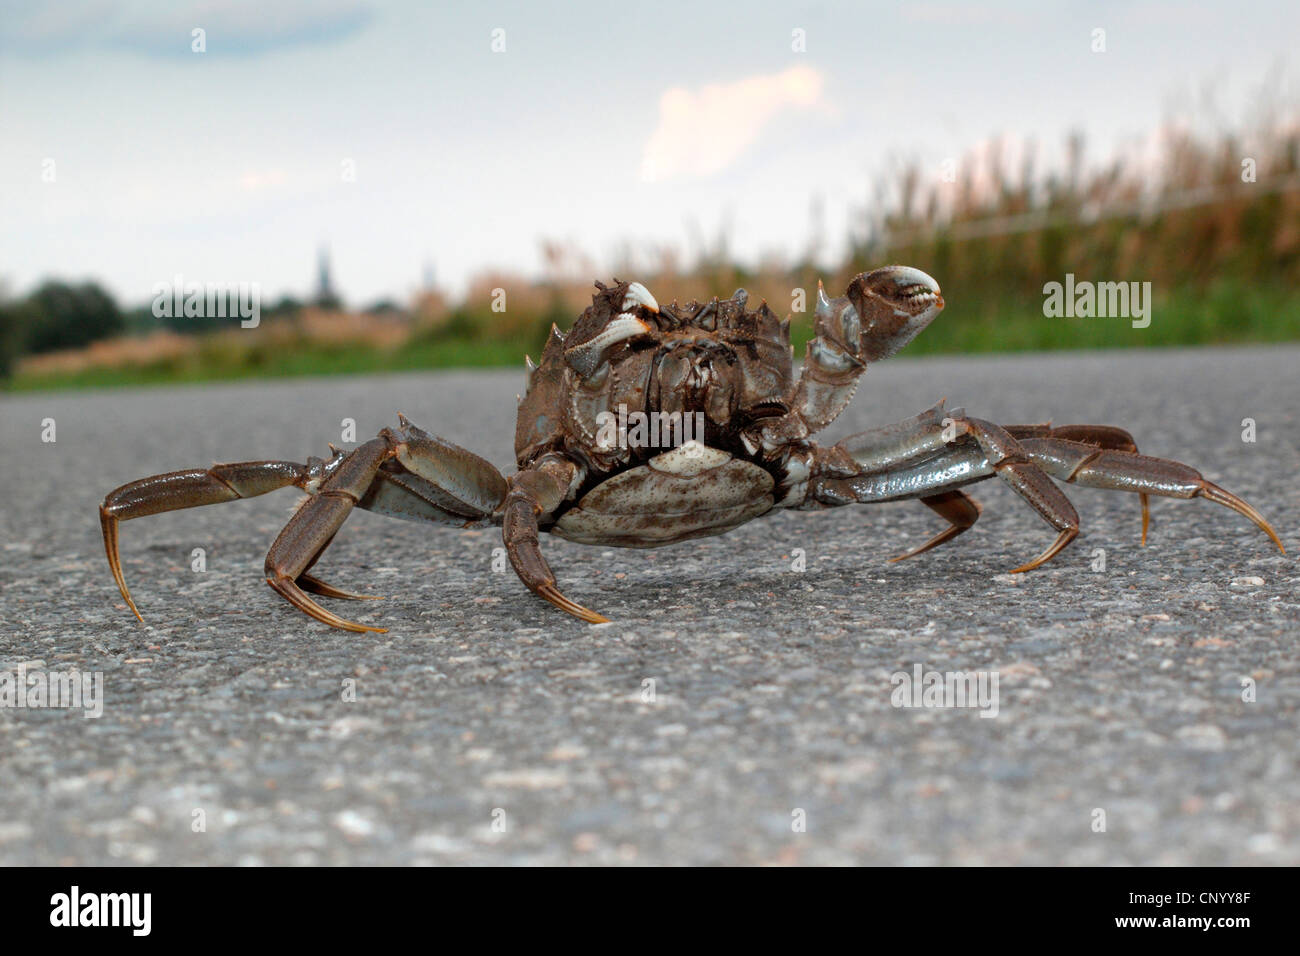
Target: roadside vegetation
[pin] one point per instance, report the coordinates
(1211, 222)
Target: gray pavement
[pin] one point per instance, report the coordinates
(226, 736)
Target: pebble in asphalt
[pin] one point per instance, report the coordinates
(489, 728)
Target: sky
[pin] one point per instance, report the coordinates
(404, 136)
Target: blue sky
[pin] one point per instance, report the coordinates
(599, 124)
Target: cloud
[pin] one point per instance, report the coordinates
(958, 15)
(255, 179)
(233, 27)
(704, 131)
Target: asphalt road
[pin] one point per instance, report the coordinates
(489, 728)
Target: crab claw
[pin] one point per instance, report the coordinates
(586, 357)
(637, 294)
(839, 334)
(894, 304)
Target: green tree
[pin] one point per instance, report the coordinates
(15, 317)
(67, 316)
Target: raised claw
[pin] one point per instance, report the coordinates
(880, 312)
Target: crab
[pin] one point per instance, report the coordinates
(645, 426)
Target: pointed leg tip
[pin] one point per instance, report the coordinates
(126, 596)
(550, 593)
(288, 589)
(349, 596)
(910, 554)
(943, 536)
(1065, 537)
(109, 522)
(1028, 566)
(315, 585)
(357, 628)
(1226, 498)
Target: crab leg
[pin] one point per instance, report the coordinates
(913, 439)
(1092, 467)
(890, 445)
(900, 462)
(934, 453)
(1009, 463)
(1103, 436)
(961, 510)
(315, 585)
(404, 473)
(427, 479)
(314, 525)
(192, 488)
(534, 492)
(458, 481)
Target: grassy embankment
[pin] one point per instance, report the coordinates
(1227, 313)
(1222, 256)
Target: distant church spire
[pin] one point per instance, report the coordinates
(326, 297)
